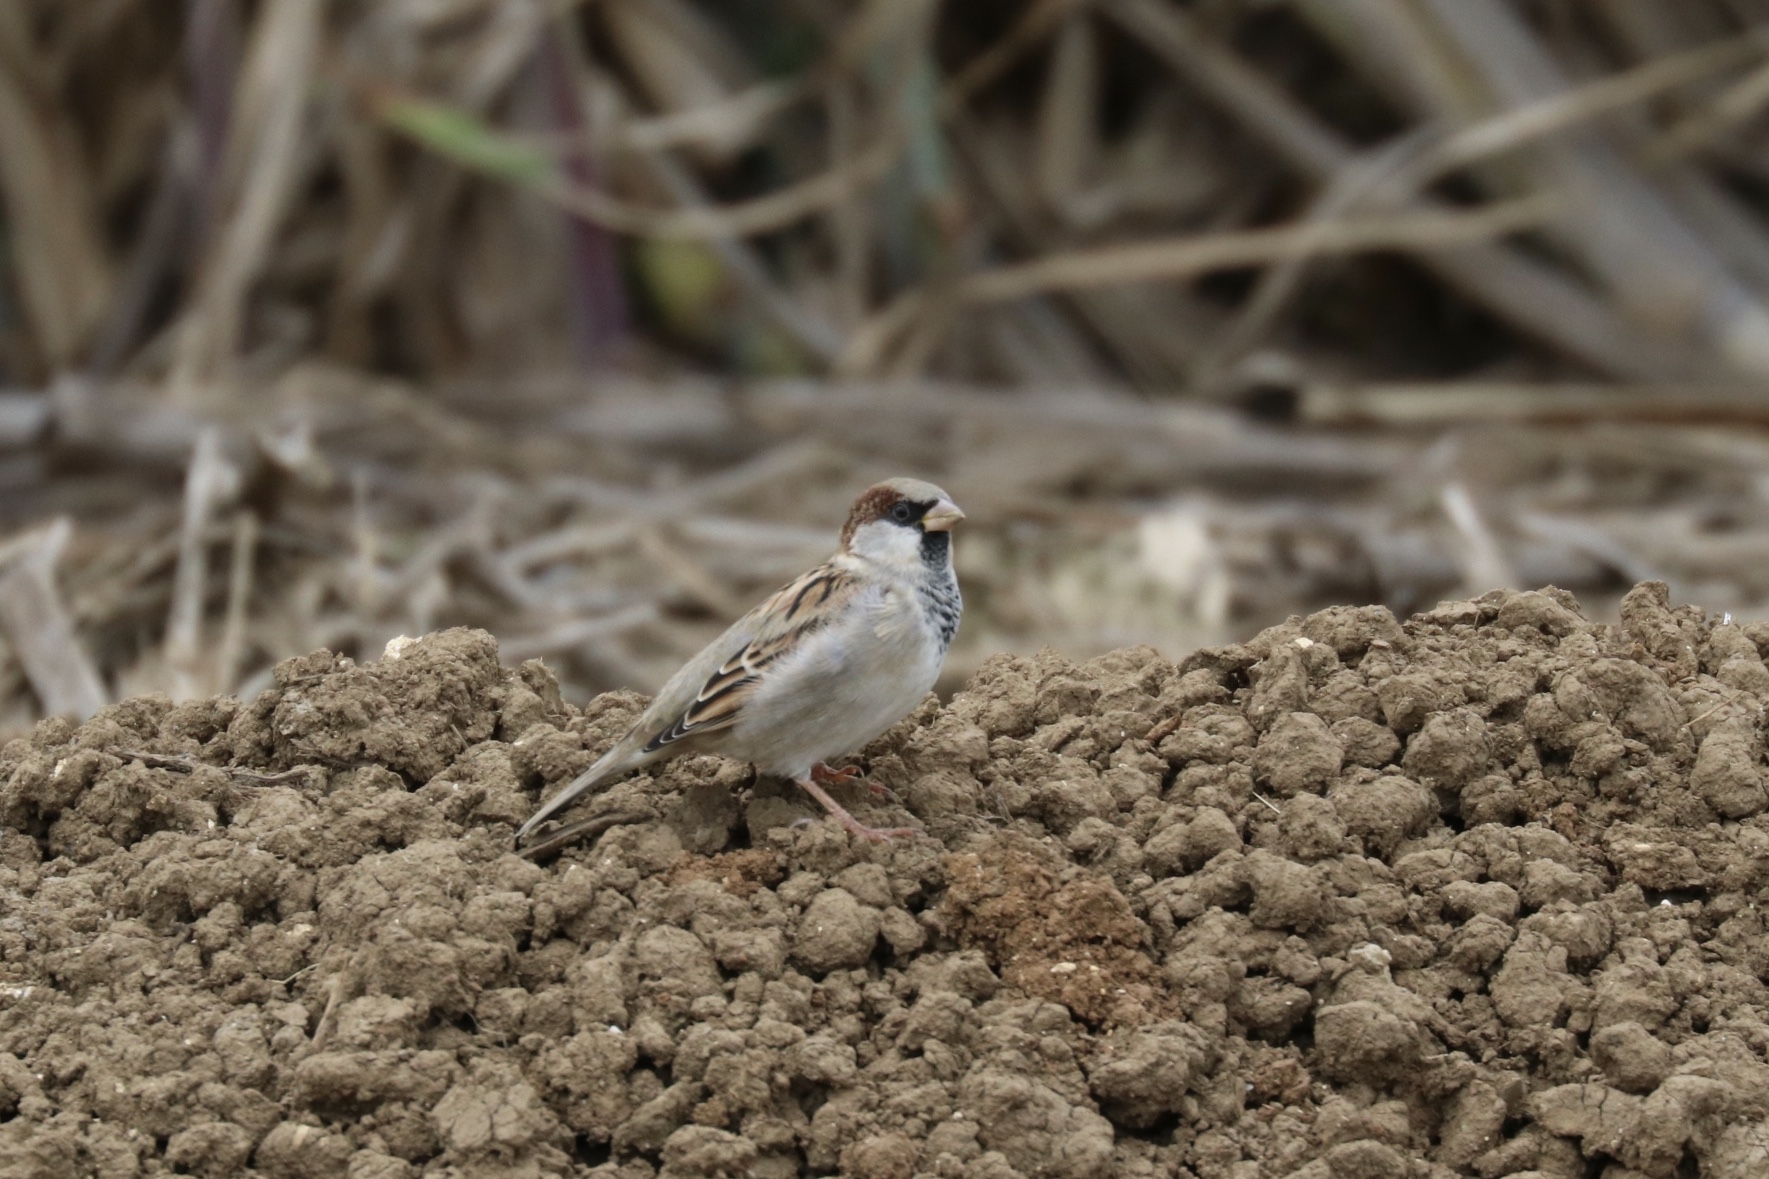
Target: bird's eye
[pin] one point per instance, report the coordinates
(902, 513)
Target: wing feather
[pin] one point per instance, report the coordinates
(776, 628)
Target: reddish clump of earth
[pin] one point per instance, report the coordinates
(1473, 894)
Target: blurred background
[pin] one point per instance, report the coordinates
(324, 321)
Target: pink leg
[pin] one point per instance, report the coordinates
(855, 826)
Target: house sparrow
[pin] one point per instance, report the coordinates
(819, 669)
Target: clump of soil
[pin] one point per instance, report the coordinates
(1480, 894)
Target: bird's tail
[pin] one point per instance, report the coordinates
(610, 765)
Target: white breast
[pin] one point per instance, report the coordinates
(842, 687)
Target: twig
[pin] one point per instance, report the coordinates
(1484, 565)
(818, 336)
(1742, 100)
(571, 541)
(507, 42)
(752, 535)
(464, 534)
(341, 988)
(1593, 542)
(850, 221)
(1187, 256)
(184, 763)
(1349, 187)
(168, 219)
(177, 763)
(700, 220)
(1068, 116)
(1556, 113)
(37, 623)
(23, 417)
(600, 320)
(1725, 702)
(257, 779)
(688, 574)
(211, 59)
(1654, 267)
(1527, 293)
(729, 126)
(1035, 23)
(239, 594)
(578, 631)
(209, 480)
(56, 246)
(365, 556)
(1447, 403)
(781, 462)
(704, 221)
(265, 139)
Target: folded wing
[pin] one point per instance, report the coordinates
(776, 627)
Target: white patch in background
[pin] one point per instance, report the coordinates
(1176, 550)
(1162, 578)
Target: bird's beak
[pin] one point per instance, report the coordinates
(941, 517)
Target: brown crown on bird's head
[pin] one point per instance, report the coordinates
(909, 502)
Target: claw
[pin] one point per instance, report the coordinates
(829, 776)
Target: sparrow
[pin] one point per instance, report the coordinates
(822, 667)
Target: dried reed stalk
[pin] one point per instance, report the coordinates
(394, 255)
(261, 167)
(36, 622)
(63, 273)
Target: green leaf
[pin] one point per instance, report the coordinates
(465, 139)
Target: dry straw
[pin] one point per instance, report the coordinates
(237, 236)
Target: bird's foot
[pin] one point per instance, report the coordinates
(828, 775)
(849, 822)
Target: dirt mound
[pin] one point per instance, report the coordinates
(1476, 895)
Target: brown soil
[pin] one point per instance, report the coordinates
(1476, 895)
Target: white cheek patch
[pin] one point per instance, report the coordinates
(891, 545)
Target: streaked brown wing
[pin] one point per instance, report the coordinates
(776, 627)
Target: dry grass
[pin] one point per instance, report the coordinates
(239, 235)
(204, 193)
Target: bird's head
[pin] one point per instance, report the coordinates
(902, 523)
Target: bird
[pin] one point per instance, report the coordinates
(818, 669)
